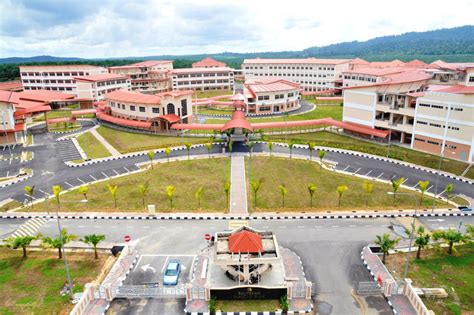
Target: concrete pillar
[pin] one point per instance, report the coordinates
(289, 290)
(408, 283)
(108, 293)
(207, 292)
(308, 288)
(246, 273)
(189, 293)
(388, 287)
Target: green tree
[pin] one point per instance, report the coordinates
(231, 146)
(84, 190)
(113, 191)
(227, 192)
(311, 147)
(57, 192)
(256, 185)
(170, 192)
(198, 196)
(143, 189)
(283, 192)
(209, 149)
(386, 244)
(151, 156)
(423, 186)
(188, 147)
(422, 240)
(341, 189)
(270, 147)
(369, 189)
(291, 144)
(94, 240)
(470, 231)
(250, 145)
(450, 237)
(449, 190)
(30, 190)
(59, 242)
(167, 151)
(396, 183)
(20, 242)
(311, 190)
(321, 155)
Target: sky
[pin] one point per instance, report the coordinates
(126, 28)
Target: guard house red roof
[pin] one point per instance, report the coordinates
(245, 242)
(124, 122)
(171, 118)
(208, 62)
(237, 121)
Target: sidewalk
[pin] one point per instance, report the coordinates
(104, 142)
(238, 185)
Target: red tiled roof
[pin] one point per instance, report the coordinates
(375, 71)
(44, 96)
(296, 61)
(124, 122)
(245, 242)
(171, 118)
(60, 120)
(408, 76)
(175, 93)
(18, 127)
(84, 112)
(457, 89)
(197, 70)
(271, 85)
(11, 85)
(133, 97)
(208, 62)
(9, 97)
(416, 63)
(237, 121)
(100, 77)
(147, 63)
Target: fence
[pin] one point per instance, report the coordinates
(84, 301)
(150, 291)
(415, 300)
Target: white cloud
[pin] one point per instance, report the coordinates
(113, 28)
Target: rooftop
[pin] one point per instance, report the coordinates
(296, 61)
(44, 96)
(270, 85)
(208, 62)
(133, 97)
(11, 85)
(147, 63)
(100, 77)
(199, 70)
(376, 71)
(60, 67)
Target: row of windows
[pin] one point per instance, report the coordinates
(348, 77)
(449, 146)
(291, 68)
(112, 82)
(199, 75)
(54, 74)
(48, 81)
(471, 79)
(47, 88)
(437, 125)
(457, 109)
(155, 110)
(203, 82)
(290, 75)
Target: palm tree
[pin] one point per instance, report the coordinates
(83, 190)
(386, 244)
(151, 156)
(20, 241)
(311, 147)
(113, 191)
(396, 183)
(451, 237)
(188, 147)
(270, 147)
(256, 185)
(143, 188)
(423, 185)
(94, 240)
(227, 192)
(30, 191)
(198, 196)
(209, 149)
(231, 145)
(250, 145)
(448, 189)
(341, 189)
(167, 151)
(311, 190)
(283, 192)
(57, 192)
(59, 241)
(291, 144)
(170, 191)
(369, 188)
(321, 155)
(422, 240)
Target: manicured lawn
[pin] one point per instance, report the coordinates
(91, 146)
(11, 205)
(126, 142)
(329, 139)
(60, 114)
(186, 176)
(297, 174)
(212, 93)
(321, 101)
(33, 286)
(215, 111)
(248, 305)
(436, 269)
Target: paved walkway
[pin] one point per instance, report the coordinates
(238, 185)
(105, 143)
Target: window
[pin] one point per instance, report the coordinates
(132, 108)
(471, 79)
(184, 107)
(422, 122)
(170, 108)
(141, 109)
(420, 140)
(123, 106)
(155, 110)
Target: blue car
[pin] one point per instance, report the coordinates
(172, 271)
(465, 208)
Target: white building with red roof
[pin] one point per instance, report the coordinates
(95, 87)
(208, 63)
(203, 79)
(269, 96)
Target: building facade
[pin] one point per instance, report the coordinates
(203, 79)
(148, 76)
(271, 96)
(56, 78)
(96, 86)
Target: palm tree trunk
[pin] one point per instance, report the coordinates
(310, 155)
(383, 257)
(418, 253)
(311, 201)
(450, 249)
(95, 252)
(339, 204)
(25, 255)
(366, 201)
(115, 201)
(60, 253)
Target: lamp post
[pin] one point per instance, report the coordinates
(412, 234)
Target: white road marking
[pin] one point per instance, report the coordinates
(346, 168)
(81, 180)
(105, 175)
(126, 169)
(405, 180)
(95, 179)
(416, 185)
(164, 265)
(68, 184)
(393, 176)
(301, 227)
(380, 175)
(335, 226)
(357, 170)
(430, 187)
(117, 173)
(368, 172)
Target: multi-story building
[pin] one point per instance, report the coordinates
(313, 75)
(203, 79)
(269, 96)
(96, 86)
(156, 112)
(150, 76)
(208, 63)
(56, 78)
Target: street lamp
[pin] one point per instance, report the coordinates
(412, 234)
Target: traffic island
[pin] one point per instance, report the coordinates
(249, 267)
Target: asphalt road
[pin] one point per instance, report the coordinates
(329, 249)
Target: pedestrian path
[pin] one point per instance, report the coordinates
(238, 185)
(30, 227)
(105, 143)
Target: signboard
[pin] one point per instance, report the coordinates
(207, 237)
(127, 238)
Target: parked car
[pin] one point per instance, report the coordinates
(464, 208)
(172, 271)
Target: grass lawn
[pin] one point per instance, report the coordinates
(91, 146)
(329, 139)
(60, 114)
(186, 176)
(32, 286)
(311, 99)
(56, 127)
(11, 205)
(297, 174)
(248, 305)
(126, 142)
(215, 111)
(211, 93)
(437, 269)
